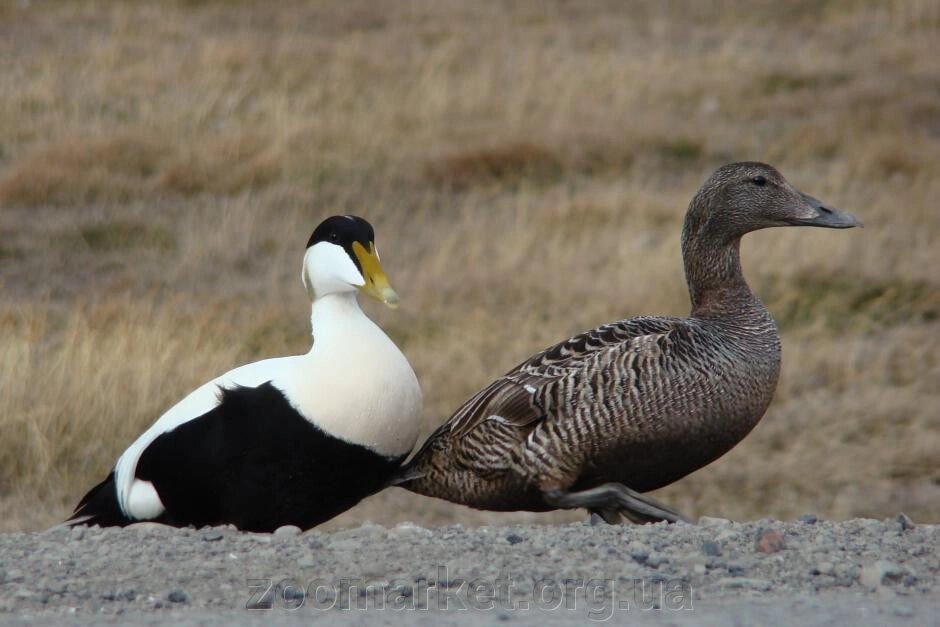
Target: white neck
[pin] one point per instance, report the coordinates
(331, 315)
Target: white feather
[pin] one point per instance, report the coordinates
(144, 500)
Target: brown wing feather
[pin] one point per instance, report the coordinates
(574, 351)
(510, 404)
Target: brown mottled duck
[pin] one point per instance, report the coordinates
(635, 405)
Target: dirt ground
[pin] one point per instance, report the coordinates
(860, 572)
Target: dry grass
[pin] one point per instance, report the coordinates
(526, 166)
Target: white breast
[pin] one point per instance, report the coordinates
(355, 383)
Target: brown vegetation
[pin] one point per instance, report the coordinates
(526, 166)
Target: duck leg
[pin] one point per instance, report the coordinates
(614, 497)
(608, 515)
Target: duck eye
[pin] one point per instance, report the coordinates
(334, 237)
(760, 181)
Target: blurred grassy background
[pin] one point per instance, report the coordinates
(527, 166)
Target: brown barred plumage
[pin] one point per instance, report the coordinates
(632, 405)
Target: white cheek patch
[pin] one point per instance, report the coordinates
(308, 286)
(328, 268)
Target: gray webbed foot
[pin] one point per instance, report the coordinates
(611, 500)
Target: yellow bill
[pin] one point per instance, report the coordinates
(376, 284)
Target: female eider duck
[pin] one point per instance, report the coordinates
(284, 441)
(633, 405)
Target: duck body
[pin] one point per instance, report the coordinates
(284, 441)
(634, 405)
(657, 398)
(721, 382)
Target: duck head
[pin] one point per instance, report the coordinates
(742, 197)
(341, 257)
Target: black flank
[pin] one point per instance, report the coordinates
(257, 463)
(253, 462)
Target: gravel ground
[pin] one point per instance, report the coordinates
(864, 572)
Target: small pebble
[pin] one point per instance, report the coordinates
(736, 570)
(824, 568)
(809, 519)
(745, 582)
(880, 573)
(711, 548)
(638, 551)
(727, 535)
(514, 538)
(297, 593)
(287, 531)
(769, 541)
(177, 596)
(407, 528)
(212, 536)
(905, 521)
(148, 525)
(713, 522)
(13, 574)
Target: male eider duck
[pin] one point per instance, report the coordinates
(633, 405)
(284, 441)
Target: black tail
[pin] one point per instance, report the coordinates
(100, 507)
